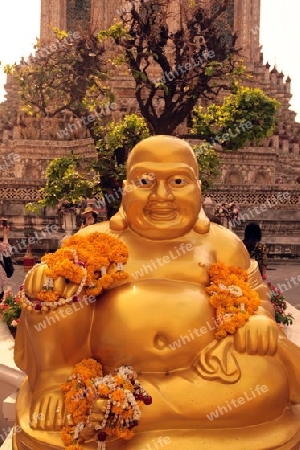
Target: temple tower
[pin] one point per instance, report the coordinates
(69, 15)
(246, 25)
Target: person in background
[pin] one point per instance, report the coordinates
(256, 249)
(89, 217)
(4, 250)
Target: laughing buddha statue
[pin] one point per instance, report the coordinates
(242, 390)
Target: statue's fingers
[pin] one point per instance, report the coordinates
(252, 340)
(99, 405)
(240, 340)
(273, 340)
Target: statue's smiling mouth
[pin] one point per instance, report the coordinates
(159, 213)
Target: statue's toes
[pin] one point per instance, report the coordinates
(48, 413)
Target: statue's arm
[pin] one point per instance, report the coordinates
(261, 326)
(257, 284)
(232, 252)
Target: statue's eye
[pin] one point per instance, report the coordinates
(178, 182)
(144, 181)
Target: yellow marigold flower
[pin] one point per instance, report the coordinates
(232, 298)
(94, 252)
(67, 435)
(127, 413)
(117, 409)
(95, 290)
(48, 295)
(126, 434)
(74, 447)
(119, 275)
(103, 390)
(118, 379)
(220, 334)
(118, 395)
(128, 386)
(106, 281)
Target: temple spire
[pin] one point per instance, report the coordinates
(247, 26)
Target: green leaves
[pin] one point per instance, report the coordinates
(174, 66)
(68, 178)
(116, 31)
(247, 116)
(209, 164)
(10, 310)
(117, 140)
(61, 75)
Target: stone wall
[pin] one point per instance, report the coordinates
(22, 175)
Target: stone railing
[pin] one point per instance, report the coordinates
(276, 208)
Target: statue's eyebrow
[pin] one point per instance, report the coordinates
(172, 169)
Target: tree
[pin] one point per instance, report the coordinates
(209, 164)
(113, 147)
(69, 181)
(68, 75)
(249, 115)
(116, 141)
(173, 69)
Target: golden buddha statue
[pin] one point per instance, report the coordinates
(242, 390)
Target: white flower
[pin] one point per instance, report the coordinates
(235, 290)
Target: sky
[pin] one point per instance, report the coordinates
(279, 35)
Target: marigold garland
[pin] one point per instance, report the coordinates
(94, 261)
(233, 299)
(123, 396)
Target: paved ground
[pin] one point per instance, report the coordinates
(284, 276)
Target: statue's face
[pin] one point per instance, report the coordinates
(162, 195)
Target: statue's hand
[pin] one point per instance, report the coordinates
(36, 279)
(258, 336)
(95, 418)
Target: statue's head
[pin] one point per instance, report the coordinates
(162, 193)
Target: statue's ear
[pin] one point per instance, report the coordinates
(202, 225)
(118, 222)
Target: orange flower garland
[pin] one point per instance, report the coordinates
(94, 261)
(97, 251)
(232, 298)
(122, 394)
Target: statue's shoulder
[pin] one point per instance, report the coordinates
(229, 247)
(102, 227)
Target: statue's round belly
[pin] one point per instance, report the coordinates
(153, 325)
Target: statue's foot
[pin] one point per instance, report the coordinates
(48, 411)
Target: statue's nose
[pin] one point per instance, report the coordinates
(162, 191)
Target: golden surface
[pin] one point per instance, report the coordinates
(251, 378)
